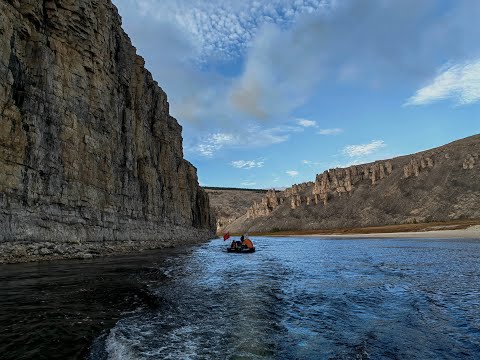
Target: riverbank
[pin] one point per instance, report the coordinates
(458, 229)
(20, 252)
(470, 233)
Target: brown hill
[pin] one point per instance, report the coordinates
(440, 184)
(228, 203)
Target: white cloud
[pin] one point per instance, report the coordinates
(312, 164)
(257, 136)
(394, 42)
(288, 48)
(292, 173)
(247, 164)
(460, 82)
(222, 28)
(363, 149)
(252, 136)
(334, 131)
(214, 142)
(306, 123)
(349, 163)
(248, 183)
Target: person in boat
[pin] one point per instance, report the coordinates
(248, 244)
(239, 242)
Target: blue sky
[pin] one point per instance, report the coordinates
(270, 93)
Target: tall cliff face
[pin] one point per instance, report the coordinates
(441, 184)
(88, 150)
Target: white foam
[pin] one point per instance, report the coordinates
(118, 347)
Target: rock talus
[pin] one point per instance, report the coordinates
(90, 158)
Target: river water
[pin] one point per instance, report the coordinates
(295, 298)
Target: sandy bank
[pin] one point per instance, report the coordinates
(469, 233)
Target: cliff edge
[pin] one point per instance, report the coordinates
(91, 162)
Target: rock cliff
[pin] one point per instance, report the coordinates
(90, 159)
(441, 184)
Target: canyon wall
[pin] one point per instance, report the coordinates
(229, 203)
(90, 160)
(441, 184)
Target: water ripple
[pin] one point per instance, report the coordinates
(293, 299)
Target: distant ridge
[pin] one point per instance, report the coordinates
(440, 184)
(229, 188)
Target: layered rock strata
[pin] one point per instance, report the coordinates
(437, 185)
(90, 159)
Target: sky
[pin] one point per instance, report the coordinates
(271, 93)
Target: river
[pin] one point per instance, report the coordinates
(295, 298)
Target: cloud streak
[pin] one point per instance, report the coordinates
(363, 149)
(215, 142)
(210, 144)
(306, 123)
(460, 82)
(334, 131)
(247, 164)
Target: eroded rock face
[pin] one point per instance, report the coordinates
(417, 165)
(336, 182)
(470, 161)
(265, 206)
(331, 183)
(88, 150)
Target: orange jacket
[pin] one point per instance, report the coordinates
(248, 243)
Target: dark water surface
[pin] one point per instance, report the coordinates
(295, 298)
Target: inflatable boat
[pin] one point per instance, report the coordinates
(240, 250)
(244, 246)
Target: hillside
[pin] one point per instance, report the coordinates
(228, 204)
(440, 184)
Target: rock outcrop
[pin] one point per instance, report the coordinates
(437, 185)
(331, 183)
(89, 155)
(416, 165)
(470, 161)
(342, 181)
(266, 205)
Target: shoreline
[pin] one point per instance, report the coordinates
(469, 233)
(15, 252)
(457, 229)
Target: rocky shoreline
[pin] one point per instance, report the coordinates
(19, 252)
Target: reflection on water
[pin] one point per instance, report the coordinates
(293, 299)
